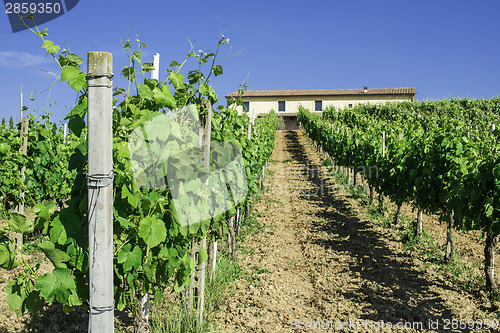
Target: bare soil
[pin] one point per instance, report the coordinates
(322, 261)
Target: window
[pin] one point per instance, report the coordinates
(281, 106)
(318, 106)
(246, 106)
(350, 105)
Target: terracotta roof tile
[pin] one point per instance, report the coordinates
(324, 92)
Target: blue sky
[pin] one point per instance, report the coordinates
(441, 48)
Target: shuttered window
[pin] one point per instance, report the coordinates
(318, 106)
(281, 106)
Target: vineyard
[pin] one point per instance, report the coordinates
(153, 250)
(442, 157)
(323, 257)
(302, 224)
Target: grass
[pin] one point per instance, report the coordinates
(269, 172)
(425, 248)
(327, 162)
(171, 317)
(261, 270)
(249, 226)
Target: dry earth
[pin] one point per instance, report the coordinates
(320, 259)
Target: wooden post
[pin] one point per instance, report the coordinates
(238, 221)
(100, 191)
(450, 244)
(200, 273)
(381, 197)
(195, 293)
(419, 228)
(354, 175)
(21, 110)
(250, 123)
(231, 237)
(362, 182)
(397, 217)
(492, 240)
(141, 321)
(372, 193)
(23, 150)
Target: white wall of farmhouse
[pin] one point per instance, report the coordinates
(341, 102)
(266, 104)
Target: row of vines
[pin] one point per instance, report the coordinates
(441, 157)
(152, 249)
(47, 176)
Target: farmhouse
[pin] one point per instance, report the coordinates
(286, 102)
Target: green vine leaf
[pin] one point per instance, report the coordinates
(58, 285)
(202, 256)
(152, 231)
(177, 80)
(147, 67)
(163, 97)
(145, 92)
(132, 200)
(75, 78)
(15, 301)
(218, 70)
(79, 109)
(8, 259)
(129, 73)
(4, 148)
(130, 259)
(18, 223)
(56, 256)
(50, 47)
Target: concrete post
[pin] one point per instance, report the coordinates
(100, 191)
(155, 73)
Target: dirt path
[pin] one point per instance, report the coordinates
(317, 261)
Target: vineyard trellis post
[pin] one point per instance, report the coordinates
(492, 239)
(100, 191)
(419, 227)
(450, 244)
(200, 273)
(141, 320)
(156, 64)
(381, 195)
(65, 131)
(250, 123)
(23, 150)
(195, 293)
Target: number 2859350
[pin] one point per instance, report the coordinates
(32, 8)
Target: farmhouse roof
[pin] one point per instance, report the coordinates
(325, 92)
